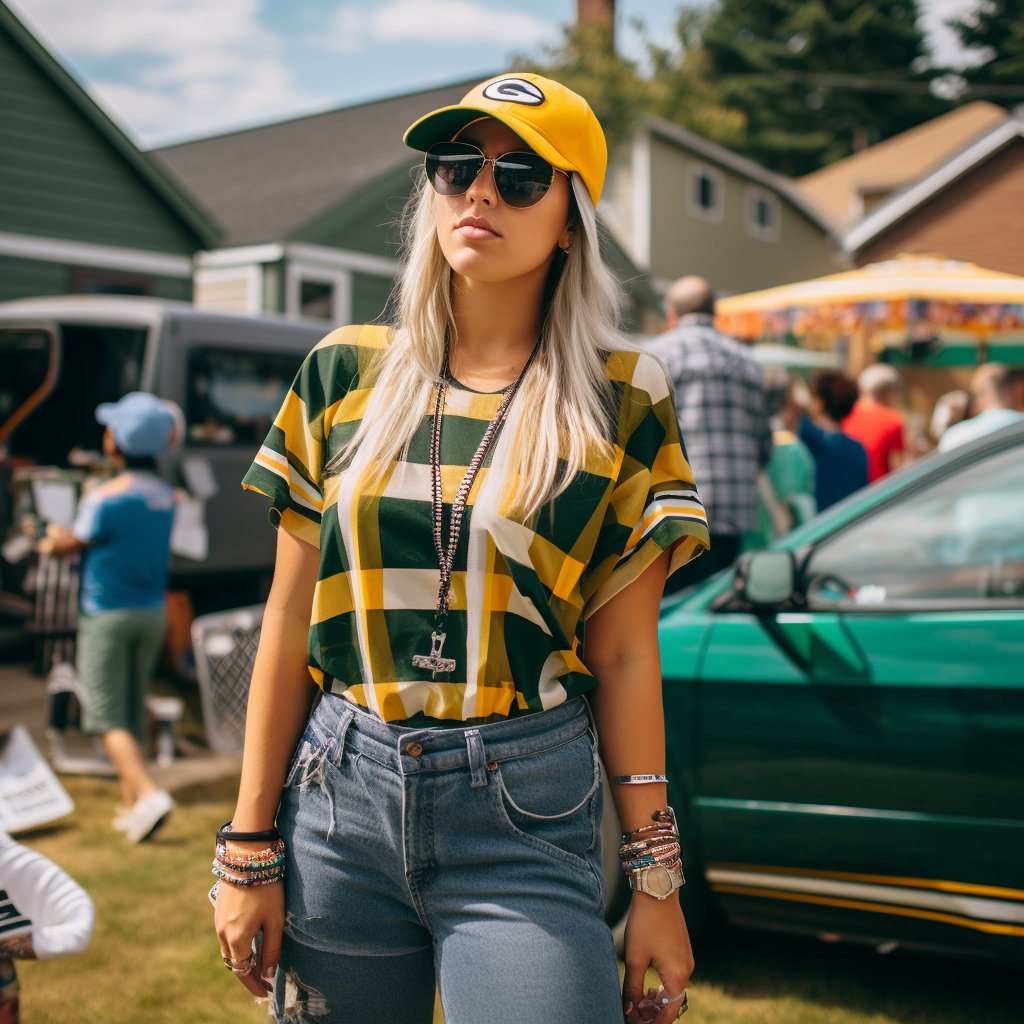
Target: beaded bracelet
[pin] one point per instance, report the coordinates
(245, 880)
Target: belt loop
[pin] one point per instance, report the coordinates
(477, 761)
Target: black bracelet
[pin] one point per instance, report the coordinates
(226, 833)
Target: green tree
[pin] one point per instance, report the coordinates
(996, 28)
(817, 79)
(586, 61)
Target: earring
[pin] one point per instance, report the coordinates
(566, 248)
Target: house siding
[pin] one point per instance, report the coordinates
(979, 218)
(22, 279)
(370, 295)
(724, 252)
(60, 178)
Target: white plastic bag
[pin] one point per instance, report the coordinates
(39, 899)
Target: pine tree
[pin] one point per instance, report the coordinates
(997, 29)
(817, 79)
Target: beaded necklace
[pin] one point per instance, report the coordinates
(435, 661)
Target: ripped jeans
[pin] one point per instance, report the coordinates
(465, 857)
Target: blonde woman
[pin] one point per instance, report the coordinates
(479, 507)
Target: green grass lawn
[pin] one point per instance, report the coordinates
(154, 957)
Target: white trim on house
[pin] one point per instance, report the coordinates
(695, 171)
(341, 294)
(641, 171)
(905, 202)
(90, 254)
(715, 154)
(314, 255)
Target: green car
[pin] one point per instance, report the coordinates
(845, 716)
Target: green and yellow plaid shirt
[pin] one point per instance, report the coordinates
(522, 590)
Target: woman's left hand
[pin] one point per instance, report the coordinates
(656, 937)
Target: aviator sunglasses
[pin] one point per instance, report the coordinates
(521, 179)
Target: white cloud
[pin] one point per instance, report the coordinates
(944, 42)
(436, 21)
(202, 64)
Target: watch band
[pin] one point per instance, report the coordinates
(657, 881)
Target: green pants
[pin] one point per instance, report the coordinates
(117, 652)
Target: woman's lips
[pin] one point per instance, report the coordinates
(476, 228)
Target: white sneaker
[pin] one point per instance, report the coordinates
(148, 815)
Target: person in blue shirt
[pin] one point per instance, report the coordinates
(841, 463)
(123, 529)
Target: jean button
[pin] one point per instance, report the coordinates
(415, 749)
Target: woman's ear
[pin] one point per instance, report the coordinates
(565, 238)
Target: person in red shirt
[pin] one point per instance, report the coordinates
(874, 420)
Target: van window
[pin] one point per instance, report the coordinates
(234, 395)
(97, 364)
(959, 539)
(26, 363)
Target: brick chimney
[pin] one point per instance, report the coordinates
(596, 12)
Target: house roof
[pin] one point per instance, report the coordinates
(716, 154)
(916, 195)
(265, 184)
(900, 160)
(156, 179)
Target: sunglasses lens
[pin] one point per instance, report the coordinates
(452, 167)
(522, 179)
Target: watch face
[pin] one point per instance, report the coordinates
(659, 881)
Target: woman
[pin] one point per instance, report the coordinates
(458, 495)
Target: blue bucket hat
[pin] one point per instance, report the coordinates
(140, 422)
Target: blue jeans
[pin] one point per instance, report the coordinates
(466, 856)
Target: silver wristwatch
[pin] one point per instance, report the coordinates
(656, 880)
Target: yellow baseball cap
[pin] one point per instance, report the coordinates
(555, 121)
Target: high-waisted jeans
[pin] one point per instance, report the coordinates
(466, 856)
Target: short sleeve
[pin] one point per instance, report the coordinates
(654, 505)
(88, 524)
(289, 465)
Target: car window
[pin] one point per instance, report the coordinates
(233, 396)
(957, 542)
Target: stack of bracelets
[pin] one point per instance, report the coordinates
(249, 867)
(652, 844)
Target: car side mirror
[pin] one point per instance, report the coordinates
(769, 578)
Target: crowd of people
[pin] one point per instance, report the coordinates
(769, 449)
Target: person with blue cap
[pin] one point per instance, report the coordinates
(123, 529)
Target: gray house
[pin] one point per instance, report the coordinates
(679, 204)
(309, 210)
(81, 209)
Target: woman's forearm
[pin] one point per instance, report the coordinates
(621, 649)
(282, 689)
(631, 727)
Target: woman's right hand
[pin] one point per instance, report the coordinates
(241, 912)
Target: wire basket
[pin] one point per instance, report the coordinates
(225, 647)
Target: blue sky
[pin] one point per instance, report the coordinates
(173, 69)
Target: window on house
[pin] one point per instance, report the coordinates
(763, 214)
(234, 395)
(705, 192)
(96, 281)
(316, 300)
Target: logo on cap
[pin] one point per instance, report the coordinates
(515, 90)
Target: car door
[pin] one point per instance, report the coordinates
(862, 762)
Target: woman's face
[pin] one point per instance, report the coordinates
(484, 239)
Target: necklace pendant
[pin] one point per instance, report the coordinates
(433, 660)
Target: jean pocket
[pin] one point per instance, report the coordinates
(550, 799)
(322, 743)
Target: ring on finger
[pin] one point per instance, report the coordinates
(240, 967)
(683, 1007)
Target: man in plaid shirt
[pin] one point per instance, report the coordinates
(723, 422)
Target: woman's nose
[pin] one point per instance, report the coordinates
(482, 190)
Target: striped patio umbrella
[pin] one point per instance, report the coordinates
(943, 311)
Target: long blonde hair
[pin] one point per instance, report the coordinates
(563, 410)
